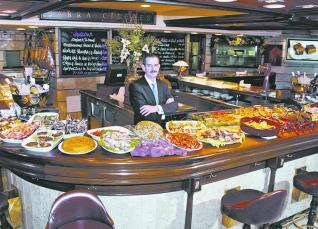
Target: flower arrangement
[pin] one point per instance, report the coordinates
(131, 44)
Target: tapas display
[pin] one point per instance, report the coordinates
(260, 127)
(117, 139)
(189, 127)
(220, 137)
(148, 130)
(96, 133)
(43, 141)
(77, 145)
(18, 132)
(45, 119)
(184, 141)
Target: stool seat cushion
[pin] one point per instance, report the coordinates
(85, 224)
(307, 182)
(4, 204)
(251, 206)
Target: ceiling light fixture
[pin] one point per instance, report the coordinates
(225, 0)
(194, 33)
(307, 6)
(145, 5)
(167, 31)
(4, 15)
(33, 27)
(218, 34)
(273, 1)
(274, 6)
(9, 11)
(20, 29)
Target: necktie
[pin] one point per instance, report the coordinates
(155, 92)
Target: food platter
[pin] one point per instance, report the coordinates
(184, 141)
(43, 141)
(220, 137)
(96, 133)
(148, 130)
(45, 119)
(189, 127)
(118, 140)
(71, 127)
(85, 145)
(259, 127)
(18, 132)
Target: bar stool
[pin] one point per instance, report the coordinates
(4, 205)
(250, 206)
(79, 209)
(308, 183)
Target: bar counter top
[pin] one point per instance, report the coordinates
(112, 173)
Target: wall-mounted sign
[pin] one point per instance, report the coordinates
(100, 15)
(83, 52)
(302, 50)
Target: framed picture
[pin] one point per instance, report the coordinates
(302, 50)
(273, 54)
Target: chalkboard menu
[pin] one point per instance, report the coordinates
(83, 52)
(171, 50)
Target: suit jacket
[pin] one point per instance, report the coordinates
(141, 94)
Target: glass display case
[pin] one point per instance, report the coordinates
(235, 52)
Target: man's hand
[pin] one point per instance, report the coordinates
(147, 109)
(170, 100)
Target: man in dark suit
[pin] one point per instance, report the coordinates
(150, 97)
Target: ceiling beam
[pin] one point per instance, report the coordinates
(235, 7)
(224, 20)
(37, 10)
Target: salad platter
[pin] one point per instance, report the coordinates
(45, 119)
(118, 140)
(43, 141)
(96, 133)
(189, 127)
(184, 141)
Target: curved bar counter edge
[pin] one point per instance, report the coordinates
(158, 192)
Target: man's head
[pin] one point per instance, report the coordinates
(151, 66)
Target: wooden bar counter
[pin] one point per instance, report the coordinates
(111, 174)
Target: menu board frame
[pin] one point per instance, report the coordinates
(103, 73)
(291, 53)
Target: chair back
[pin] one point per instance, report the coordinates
(78, 205)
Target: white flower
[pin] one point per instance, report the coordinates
(145, 48)
(137, 55)
(125, 42)
(124, 54)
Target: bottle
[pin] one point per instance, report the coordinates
(293, 79)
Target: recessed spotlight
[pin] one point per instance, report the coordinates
(273, 1)
(194, 33)
(20, 29)
(225, 0)
(145, 5)
(9, 11)
(218, 34)
(239, 35)
(33, 27)
(307, 6)
(274, 6)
